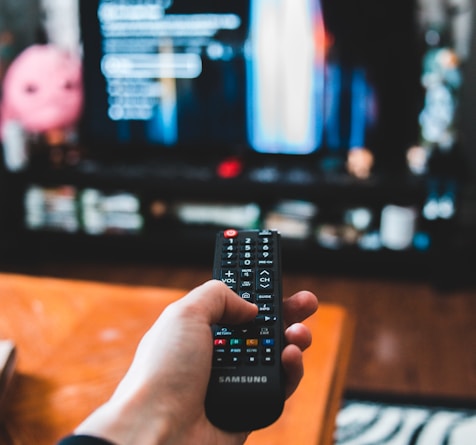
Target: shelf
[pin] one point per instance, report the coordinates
(173, 178)
(171, 182)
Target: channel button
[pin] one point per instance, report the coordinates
(264, 280)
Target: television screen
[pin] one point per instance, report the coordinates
(250, 76)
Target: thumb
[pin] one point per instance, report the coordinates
(219, 304)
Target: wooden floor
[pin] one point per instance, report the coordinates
(411, 339)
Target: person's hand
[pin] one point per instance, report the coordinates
(160, 400)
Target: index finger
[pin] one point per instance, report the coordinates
(299, 306)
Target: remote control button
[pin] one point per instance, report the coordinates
(265, 263)
(264, 280)
(265, 319)
(230, 233)
(266, 232)
(246, 248)
(228, 263)
(247, 263)
(266, 244)
(268, 360)
(265, 298)
(229, 277)
(235, 360)
(266, 332)
(220, 356)
(265, 256)
(236, 341)
(265, 308)
(246, 284)
(246, 255)
(252, 342)
(219, 360)
(246, 295)
(220, 342)
(223, 332)
(246, 280)
(229, 259)
(265, 251)
(231, 249)
(267, 341)
(252, 359)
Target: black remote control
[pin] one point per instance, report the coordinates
(246, 388)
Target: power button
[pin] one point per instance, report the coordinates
(230, 233)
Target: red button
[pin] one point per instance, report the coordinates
(230, 233)
(219, 342)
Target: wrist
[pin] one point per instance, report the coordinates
(127, 423)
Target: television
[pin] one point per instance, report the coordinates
(178, 117)
(253, 78)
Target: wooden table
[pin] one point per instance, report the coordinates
(76, 339)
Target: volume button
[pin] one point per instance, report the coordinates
(230, 278)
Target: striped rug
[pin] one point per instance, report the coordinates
(375, 423)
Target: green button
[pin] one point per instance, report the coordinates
(236, 341)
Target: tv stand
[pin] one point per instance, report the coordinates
(169, 208)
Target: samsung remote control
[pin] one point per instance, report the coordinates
(246, 388)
